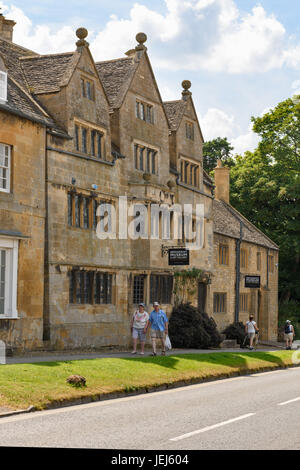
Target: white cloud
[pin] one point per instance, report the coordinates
(243, 142)
(216, 123)
(208, 35)
(39, 38)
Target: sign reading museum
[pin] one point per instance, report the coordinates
(179, 256)
(252, 281)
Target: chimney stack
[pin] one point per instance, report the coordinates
(6, 28)
(222, 182)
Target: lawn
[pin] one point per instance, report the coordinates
(44, 384)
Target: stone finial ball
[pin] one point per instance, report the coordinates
(186, 84)
(81, 33)
(141, 38)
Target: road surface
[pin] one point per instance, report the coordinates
(259, 411)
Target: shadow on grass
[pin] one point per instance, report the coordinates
(237, 360)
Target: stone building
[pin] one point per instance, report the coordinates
(94, 140)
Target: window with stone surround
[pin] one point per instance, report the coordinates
(145, 159)
(161, 288)
(189, 130)
(90, 287)
(89, 141)
(139, 288)
(220, 302)
(189, 172)
(3, 86)
(87, 89)
(224, 254)
(258, 261)
(244, 258)
(5, 167)
(82, 210)
(144, 111)
(244, 303)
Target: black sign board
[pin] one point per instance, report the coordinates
(252, 281)
(179, 256)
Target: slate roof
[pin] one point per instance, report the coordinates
(11, 53)
(19, 99)
(47, 73)
(227, 222)
(20, 102)
(174, 111)
(116, 76)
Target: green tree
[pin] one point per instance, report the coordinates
(216, 149)
(265, 187)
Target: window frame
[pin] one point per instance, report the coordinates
(223, 254)
(7, 168)
(144, 111)
(161, 288)
(4, 88)
(11, 247)
(218, 302)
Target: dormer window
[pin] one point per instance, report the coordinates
(3, 86)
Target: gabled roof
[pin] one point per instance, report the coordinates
(227, 222)
(116, 76)
(47, 73)
(175, 111)
(11, 53)
(21, 103)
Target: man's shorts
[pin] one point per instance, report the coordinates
(157, 334)
(251, 335)
(288, 336)
(138, 333)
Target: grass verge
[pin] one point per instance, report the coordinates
(43, 385)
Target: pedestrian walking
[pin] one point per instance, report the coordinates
(251, 330)
(289, 334)
(159, 328)
(139, 325)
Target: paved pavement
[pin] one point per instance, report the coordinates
(74, 356)
(259, 411)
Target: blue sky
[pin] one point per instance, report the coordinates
(241, 56)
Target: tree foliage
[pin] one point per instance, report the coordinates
(216, 149)
(265, 187)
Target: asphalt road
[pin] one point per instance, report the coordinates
(260, 411)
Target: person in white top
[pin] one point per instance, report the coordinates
(139, 324)
(251, 330)
(289, 334)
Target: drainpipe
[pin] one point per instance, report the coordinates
(268, 252)
(238, 274)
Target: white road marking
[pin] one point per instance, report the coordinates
(208, 428)
(289, 401)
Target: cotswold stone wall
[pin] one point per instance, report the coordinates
(23, 210)
(262, 303)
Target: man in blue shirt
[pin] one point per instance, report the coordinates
(159, 327)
